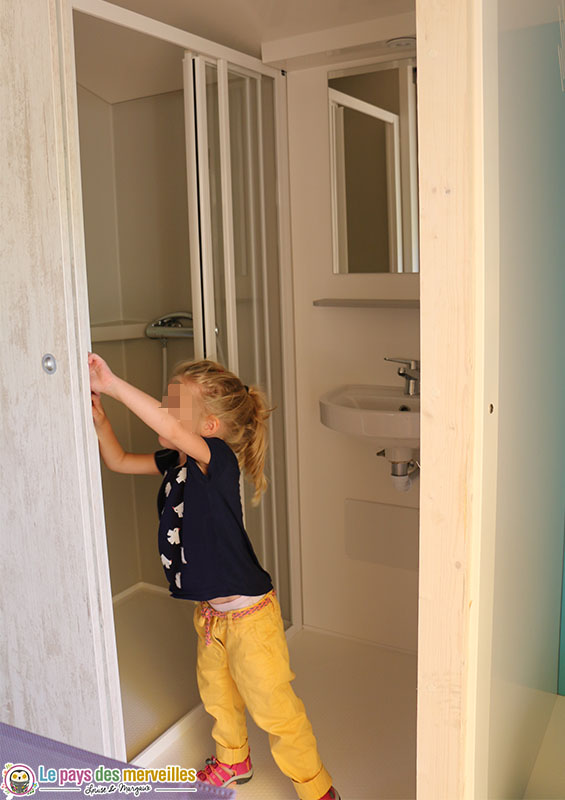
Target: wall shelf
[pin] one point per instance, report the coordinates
(118, 331)
(366, 302)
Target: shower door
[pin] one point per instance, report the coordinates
(231, 162)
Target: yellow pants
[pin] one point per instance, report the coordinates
(247, 664)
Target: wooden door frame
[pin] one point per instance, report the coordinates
(458, 194)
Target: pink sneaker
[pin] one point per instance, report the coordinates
(331, 794)
(218, 773)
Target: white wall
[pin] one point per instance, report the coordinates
(99, 205)
(343, 594)
(530, 497)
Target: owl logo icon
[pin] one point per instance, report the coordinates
(18, 781)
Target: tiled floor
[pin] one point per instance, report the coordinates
(361, 700)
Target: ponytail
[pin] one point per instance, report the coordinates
(253, 454)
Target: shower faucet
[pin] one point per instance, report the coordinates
(170, 326)
(411, 374)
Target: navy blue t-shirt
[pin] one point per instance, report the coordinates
(203, 545)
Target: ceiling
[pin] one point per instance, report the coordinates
(118, 64)
(245, 24)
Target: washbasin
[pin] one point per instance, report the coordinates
(382, 415)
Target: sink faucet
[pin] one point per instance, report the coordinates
(411, 374)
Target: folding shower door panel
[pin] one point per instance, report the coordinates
(223, 153)
(231, 159)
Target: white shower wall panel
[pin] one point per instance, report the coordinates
(151, 191)
(99, 206)
(134, 185)
(119, 490)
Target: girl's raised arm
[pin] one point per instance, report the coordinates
(147, 408)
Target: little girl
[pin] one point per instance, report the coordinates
(210, 425)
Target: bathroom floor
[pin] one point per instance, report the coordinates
(361, 701)
(146, 619)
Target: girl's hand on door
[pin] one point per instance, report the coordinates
(98, 413)
(101, 376)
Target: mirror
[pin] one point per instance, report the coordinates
(374, 171)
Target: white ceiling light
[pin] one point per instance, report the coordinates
(402, 41)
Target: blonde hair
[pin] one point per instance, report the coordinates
(243, 410)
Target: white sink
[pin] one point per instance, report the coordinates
(382, 415)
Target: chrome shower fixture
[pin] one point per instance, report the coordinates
(170, 326)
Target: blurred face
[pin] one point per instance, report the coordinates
(184, 402)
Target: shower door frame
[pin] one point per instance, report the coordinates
(193, 45)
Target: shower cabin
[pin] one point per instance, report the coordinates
(179, 160)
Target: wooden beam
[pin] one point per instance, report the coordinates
(449, 39)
